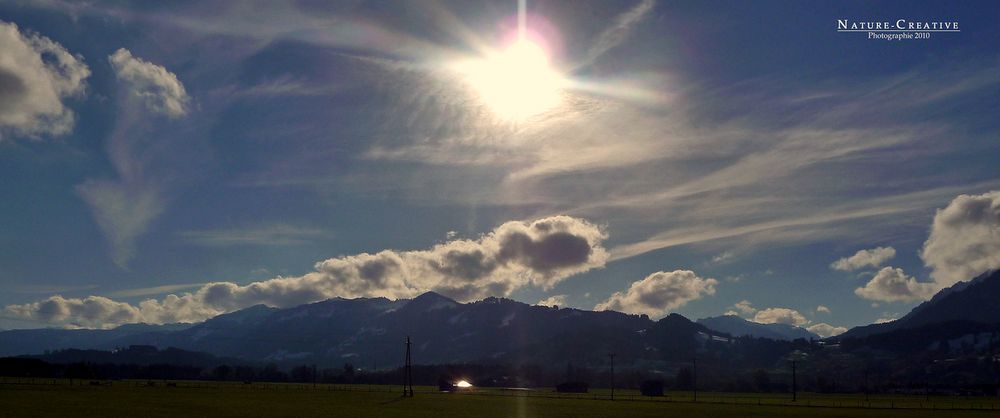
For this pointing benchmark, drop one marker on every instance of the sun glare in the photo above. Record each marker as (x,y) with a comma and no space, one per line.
(517,82)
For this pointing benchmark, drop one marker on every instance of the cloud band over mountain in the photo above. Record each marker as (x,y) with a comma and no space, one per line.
(516,254)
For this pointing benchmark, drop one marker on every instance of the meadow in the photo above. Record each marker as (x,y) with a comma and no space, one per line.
(47,397)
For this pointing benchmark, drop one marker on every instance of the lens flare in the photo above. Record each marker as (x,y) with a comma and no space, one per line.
(517,82)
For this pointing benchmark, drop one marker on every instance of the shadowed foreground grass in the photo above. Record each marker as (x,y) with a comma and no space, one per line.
(233,401)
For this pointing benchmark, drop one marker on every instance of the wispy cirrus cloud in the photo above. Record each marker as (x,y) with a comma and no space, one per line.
(277,234)
(619,31)
(47,288)
(809,226)
(719,166)
(285,20)
(729,178)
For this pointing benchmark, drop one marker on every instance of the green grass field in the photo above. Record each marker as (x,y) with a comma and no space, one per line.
(136,399)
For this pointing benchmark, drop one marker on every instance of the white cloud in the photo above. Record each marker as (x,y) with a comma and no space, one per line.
(515,254)
(157,88)
(893,285)
(864,258)
(965,239)
(789,316)
(745,307)
(92,311)
(36,74)
(826,330)
(964,242)
(660,292)
(554,300)
(780,316)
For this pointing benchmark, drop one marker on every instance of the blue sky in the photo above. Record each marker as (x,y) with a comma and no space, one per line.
(700,154)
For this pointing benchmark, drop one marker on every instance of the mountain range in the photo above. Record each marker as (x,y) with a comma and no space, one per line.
(739,327)
(370,332)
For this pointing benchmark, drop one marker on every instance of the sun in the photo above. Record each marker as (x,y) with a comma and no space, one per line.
(517,82)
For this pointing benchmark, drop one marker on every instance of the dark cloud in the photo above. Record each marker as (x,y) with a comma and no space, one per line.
(467,265)
(550,253)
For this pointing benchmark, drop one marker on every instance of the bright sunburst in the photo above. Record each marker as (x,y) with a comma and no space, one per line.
(517,82)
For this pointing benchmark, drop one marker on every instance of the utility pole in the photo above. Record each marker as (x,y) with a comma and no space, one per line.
(794,382)
(407,373)
(694,378)
(314,376)
(612,355)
